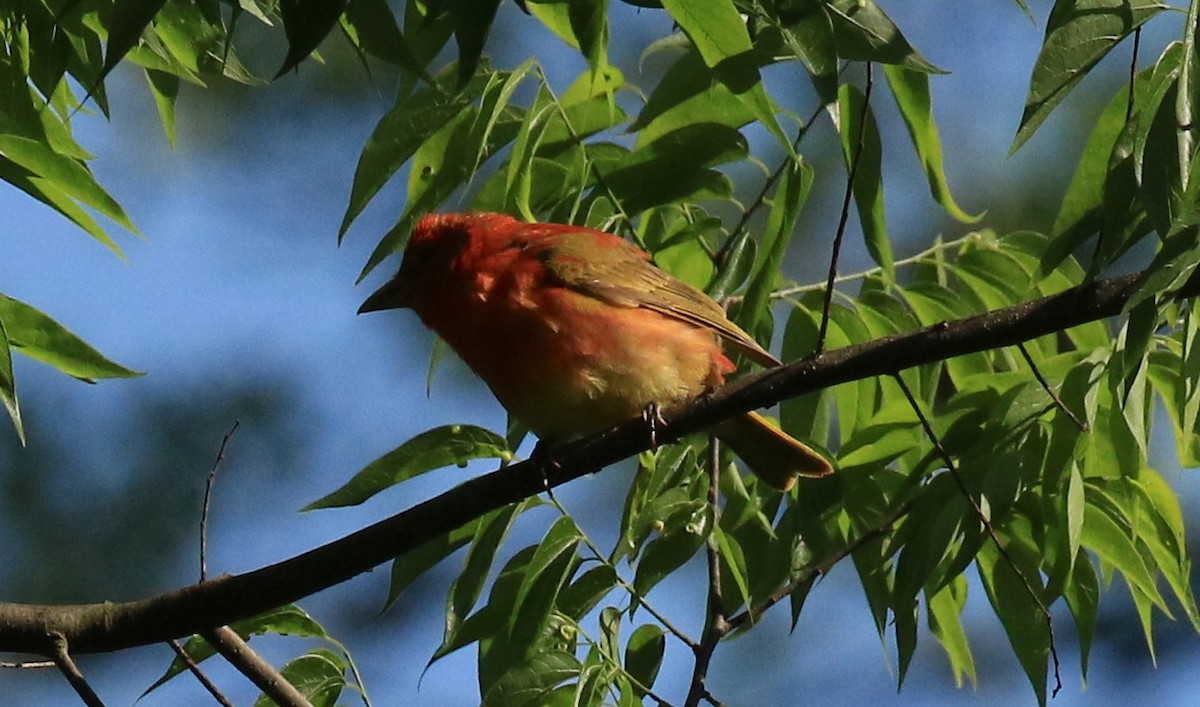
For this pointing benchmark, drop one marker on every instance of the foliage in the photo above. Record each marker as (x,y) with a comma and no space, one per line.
(1044,491)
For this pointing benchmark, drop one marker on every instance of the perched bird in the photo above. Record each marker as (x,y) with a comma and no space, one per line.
(574,330)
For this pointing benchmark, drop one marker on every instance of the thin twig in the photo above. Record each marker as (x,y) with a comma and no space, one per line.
(851,173)
(715,625)
(200,676)
(1137,41)
(26,664)
(208,487)
(987,525)
(785,292)
(1037,373)
(66,665)
(761,199)
(621,582)
(234,648)
(809,575)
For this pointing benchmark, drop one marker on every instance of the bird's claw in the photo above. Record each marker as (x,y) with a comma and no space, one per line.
(652,416)
(545,460)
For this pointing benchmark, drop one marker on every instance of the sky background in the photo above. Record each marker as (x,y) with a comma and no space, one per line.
(240,305)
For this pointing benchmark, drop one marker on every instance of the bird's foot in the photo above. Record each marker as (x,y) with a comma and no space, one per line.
(652,416)
(543,456)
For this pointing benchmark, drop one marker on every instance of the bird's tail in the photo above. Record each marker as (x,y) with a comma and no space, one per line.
(773,455)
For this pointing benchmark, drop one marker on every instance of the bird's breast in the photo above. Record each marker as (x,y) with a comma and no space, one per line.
(566,364)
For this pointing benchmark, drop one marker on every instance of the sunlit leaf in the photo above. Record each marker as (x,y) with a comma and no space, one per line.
(41,338)
(440,447)
(863,32)
(8,385)
(1079,34)
(863,153)
(911,90)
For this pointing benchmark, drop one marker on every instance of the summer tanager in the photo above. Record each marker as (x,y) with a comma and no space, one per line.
(574,330)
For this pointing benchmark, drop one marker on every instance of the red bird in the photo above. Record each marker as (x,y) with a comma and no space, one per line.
(574,330)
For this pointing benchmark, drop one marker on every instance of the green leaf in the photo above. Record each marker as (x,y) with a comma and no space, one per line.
(432,449)
(489,624)
(48,192)
(529,683)
(444,162)
(490,533)
(734,566)
(397,137)
(1171,268)
(561,540)
(643,655)
(1025,625)
(720,35)
(66,174)
(408,567)
(1079,215)
(809,34)
(786,203)
(675,167)
(41,338)
(374,25)
(472,22)
(288,620)
(582,595)
(911,90)
(858,123)
(320,676)
(734,264)
(863,32)
(165,89)
(8,384)
(579,23)
(1079,34)
(1082,593)
(664,555)
(125,23)
(306,23)
(945,622)
(1104,536)
(688,94)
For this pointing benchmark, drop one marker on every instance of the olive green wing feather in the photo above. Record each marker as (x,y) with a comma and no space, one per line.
(608,268)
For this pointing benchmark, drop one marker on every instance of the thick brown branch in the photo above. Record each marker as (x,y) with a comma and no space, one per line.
(193,609)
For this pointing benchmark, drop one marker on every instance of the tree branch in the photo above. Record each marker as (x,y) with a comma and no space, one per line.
(234,649)
(193,609)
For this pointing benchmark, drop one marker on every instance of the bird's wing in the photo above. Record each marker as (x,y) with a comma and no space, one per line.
(609,268)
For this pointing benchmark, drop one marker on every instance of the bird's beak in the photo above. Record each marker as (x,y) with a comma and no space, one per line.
(396,294)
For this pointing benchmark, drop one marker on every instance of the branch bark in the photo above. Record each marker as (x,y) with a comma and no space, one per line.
(26,628)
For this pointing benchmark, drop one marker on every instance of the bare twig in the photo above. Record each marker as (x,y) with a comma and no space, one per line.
(634,595)
(233,648)
(208,487)
(715,625)
(805,578)
(792,290)
(25,664)
(1133,60)
(851,173)
(761,199)
(952,468)
(1037,373)
(200,676)
(66,665)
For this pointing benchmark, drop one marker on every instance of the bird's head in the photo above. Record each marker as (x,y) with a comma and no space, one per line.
(437,241)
